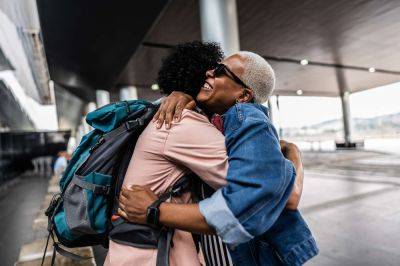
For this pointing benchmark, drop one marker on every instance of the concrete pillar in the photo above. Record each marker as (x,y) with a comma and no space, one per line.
(102,98)
(128,93)
(271,117)
(344,97)
(91,106)
(219,23)
(280,131)
(346,117)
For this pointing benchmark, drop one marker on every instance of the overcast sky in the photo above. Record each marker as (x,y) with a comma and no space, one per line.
(300,111)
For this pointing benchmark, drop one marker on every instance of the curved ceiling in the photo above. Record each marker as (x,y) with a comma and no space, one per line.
(88,43)
(333,34)
(95,44)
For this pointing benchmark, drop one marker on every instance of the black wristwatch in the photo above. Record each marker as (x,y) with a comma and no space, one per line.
(153,213)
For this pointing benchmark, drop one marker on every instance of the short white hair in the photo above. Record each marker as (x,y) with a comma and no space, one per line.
(258,75)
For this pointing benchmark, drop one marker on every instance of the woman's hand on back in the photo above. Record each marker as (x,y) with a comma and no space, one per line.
(292,153)
(171,108)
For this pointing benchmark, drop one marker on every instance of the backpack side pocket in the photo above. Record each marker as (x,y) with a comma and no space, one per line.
(85,203)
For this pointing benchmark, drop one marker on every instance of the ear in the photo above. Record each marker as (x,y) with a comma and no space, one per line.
(246,96)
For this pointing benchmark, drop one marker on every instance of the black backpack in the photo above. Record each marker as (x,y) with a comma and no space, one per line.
(81,214)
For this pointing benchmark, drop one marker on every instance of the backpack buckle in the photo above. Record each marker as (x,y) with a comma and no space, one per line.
(103,190)
(131,124)
(98,143)
(53,205)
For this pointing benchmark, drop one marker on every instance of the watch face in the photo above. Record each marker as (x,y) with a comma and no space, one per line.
(152,216)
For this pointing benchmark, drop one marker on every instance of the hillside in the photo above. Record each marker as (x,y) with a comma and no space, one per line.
(385,125)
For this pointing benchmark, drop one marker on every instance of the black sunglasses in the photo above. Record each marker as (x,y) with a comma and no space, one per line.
(222,69)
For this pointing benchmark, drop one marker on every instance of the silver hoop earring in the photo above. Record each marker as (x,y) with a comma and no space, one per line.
(237,101)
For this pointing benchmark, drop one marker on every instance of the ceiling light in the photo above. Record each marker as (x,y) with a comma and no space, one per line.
(304,62)
(299,92)
(371,69)
(155,87)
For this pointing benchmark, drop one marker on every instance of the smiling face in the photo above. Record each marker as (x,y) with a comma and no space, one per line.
(220,93)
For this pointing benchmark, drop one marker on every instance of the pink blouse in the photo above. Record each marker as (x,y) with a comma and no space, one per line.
(160,158)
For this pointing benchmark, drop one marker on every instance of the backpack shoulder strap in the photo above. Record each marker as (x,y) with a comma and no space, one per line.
(178,188)
(164,246)
(165,239)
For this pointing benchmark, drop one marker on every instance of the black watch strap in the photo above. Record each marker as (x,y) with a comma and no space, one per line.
(153,213)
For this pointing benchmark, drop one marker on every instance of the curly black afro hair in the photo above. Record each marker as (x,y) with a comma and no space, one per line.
(184,69)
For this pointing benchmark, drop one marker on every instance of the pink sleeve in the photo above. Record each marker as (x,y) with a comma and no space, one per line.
(199,146)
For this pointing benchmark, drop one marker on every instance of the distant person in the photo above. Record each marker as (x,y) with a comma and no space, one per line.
(61,163)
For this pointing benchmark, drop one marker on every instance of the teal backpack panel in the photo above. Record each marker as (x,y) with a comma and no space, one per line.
(103,120)
(79,156)
(110,116)
(81,215)
(97,204)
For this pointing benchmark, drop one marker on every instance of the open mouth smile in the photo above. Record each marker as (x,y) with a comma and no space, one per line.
(207,87)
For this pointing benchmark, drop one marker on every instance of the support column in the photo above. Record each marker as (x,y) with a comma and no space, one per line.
(271,117)
(219,23)
(102,98)
(280,131)
(344,97)
(84,127)
(347,127)
(128,93)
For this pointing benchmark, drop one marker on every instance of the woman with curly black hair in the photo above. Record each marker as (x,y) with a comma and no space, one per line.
(184,69)
(165,155)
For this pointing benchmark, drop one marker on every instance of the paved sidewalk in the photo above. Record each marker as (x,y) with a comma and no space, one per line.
(31,252)
(351,201)
(19,204)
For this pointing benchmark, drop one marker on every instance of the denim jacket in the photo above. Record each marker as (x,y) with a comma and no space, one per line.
(249,212)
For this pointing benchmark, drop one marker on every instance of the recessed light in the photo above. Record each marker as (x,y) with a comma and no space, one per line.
(304,62)
(371,69)
(155,87)
(299,92)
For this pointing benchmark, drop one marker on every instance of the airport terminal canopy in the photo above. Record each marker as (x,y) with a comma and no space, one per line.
(107,44)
